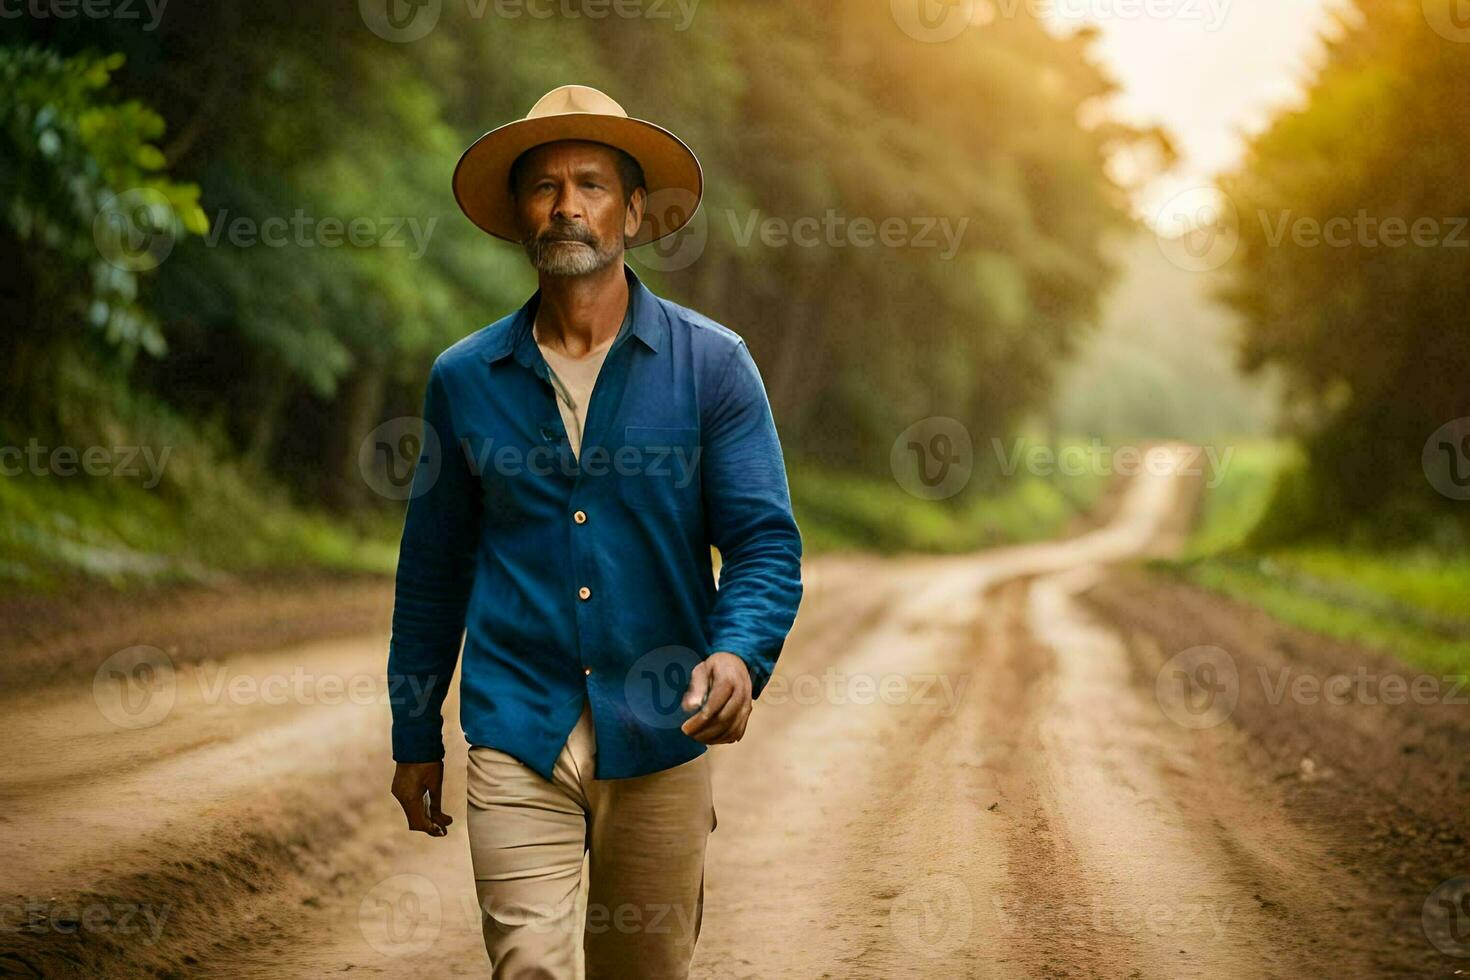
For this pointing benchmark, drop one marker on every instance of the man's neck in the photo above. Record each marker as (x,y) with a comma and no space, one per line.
(578,314)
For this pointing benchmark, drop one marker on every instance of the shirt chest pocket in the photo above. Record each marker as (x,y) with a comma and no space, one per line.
(658,468)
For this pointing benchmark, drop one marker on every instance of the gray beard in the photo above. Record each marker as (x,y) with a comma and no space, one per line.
(563,259)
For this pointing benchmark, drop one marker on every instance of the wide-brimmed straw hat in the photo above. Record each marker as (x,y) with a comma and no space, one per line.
(577,112)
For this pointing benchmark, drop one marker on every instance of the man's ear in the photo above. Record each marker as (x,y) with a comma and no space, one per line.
(633,216)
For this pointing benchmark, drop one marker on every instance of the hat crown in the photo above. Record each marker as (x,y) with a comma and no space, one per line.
(575,98)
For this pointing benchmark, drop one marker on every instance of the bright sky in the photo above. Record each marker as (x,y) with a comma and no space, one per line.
(1209,71)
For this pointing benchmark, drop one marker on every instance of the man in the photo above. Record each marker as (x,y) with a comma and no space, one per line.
(580,458)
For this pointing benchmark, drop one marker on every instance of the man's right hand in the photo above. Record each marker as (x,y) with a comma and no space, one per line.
(411,781)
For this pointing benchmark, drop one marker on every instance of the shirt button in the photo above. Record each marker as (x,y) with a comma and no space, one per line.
(584,592)
(580,517)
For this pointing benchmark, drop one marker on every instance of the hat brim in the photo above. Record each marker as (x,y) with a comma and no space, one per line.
(671,170)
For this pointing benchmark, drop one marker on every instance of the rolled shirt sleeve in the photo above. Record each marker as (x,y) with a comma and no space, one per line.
(748,517)
(436,570)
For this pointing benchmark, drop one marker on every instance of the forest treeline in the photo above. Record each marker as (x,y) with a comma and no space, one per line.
(230,114)
(1352,278)
(298,158)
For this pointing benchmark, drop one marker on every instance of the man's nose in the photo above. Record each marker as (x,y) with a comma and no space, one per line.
(568,205)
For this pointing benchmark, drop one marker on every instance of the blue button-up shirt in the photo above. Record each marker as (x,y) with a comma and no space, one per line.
(590,578)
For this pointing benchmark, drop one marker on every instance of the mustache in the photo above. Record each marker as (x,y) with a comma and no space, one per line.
(567,233)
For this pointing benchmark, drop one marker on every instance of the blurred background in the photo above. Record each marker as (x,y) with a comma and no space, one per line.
(229,238)
(1035,238)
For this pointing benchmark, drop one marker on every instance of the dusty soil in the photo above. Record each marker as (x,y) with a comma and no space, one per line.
(62,637)
(1376,767)
(965,767)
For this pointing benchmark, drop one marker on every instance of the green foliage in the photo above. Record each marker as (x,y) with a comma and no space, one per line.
(840,510)
(1369,328)
(1350,611)
(319,305)
(67,152)
(982,130)
(171,506)
(1410,599)
(1233,512)
(294,116)
(312,113)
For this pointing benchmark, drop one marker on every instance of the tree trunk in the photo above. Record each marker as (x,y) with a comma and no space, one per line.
(362,402)
(273,391)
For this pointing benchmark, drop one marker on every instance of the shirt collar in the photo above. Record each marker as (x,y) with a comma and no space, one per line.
(643,309)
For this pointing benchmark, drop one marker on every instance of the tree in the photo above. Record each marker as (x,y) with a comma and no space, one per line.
(1350,275)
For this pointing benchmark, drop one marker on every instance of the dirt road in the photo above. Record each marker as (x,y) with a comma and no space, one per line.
(1012,764)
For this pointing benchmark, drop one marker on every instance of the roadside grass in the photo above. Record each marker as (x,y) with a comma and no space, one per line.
(1413,602)
(1240,496)
(841,512)
(210,517)
(58,530)
(187,511)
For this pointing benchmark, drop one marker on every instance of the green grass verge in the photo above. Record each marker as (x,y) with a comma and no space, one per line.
(1414,603)
(165,502)
(56,530)
(841,512)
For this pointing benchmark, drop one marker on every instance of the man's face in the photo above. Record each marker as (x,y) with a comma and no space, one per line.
(569,202)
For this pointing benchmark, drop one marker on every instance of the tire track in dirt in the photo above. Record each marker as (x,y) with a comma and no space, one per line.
(247,829)
(1381,781)
(879,853)
(214,822)
(1186,862)
(424,919)
(1050,821)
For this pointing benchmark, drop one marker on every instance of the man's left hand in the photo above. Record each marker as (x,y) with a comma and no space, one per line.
(724,677)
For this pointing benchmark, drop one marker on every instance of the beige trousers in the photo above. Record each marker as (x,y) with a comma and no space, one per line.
(637,910)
